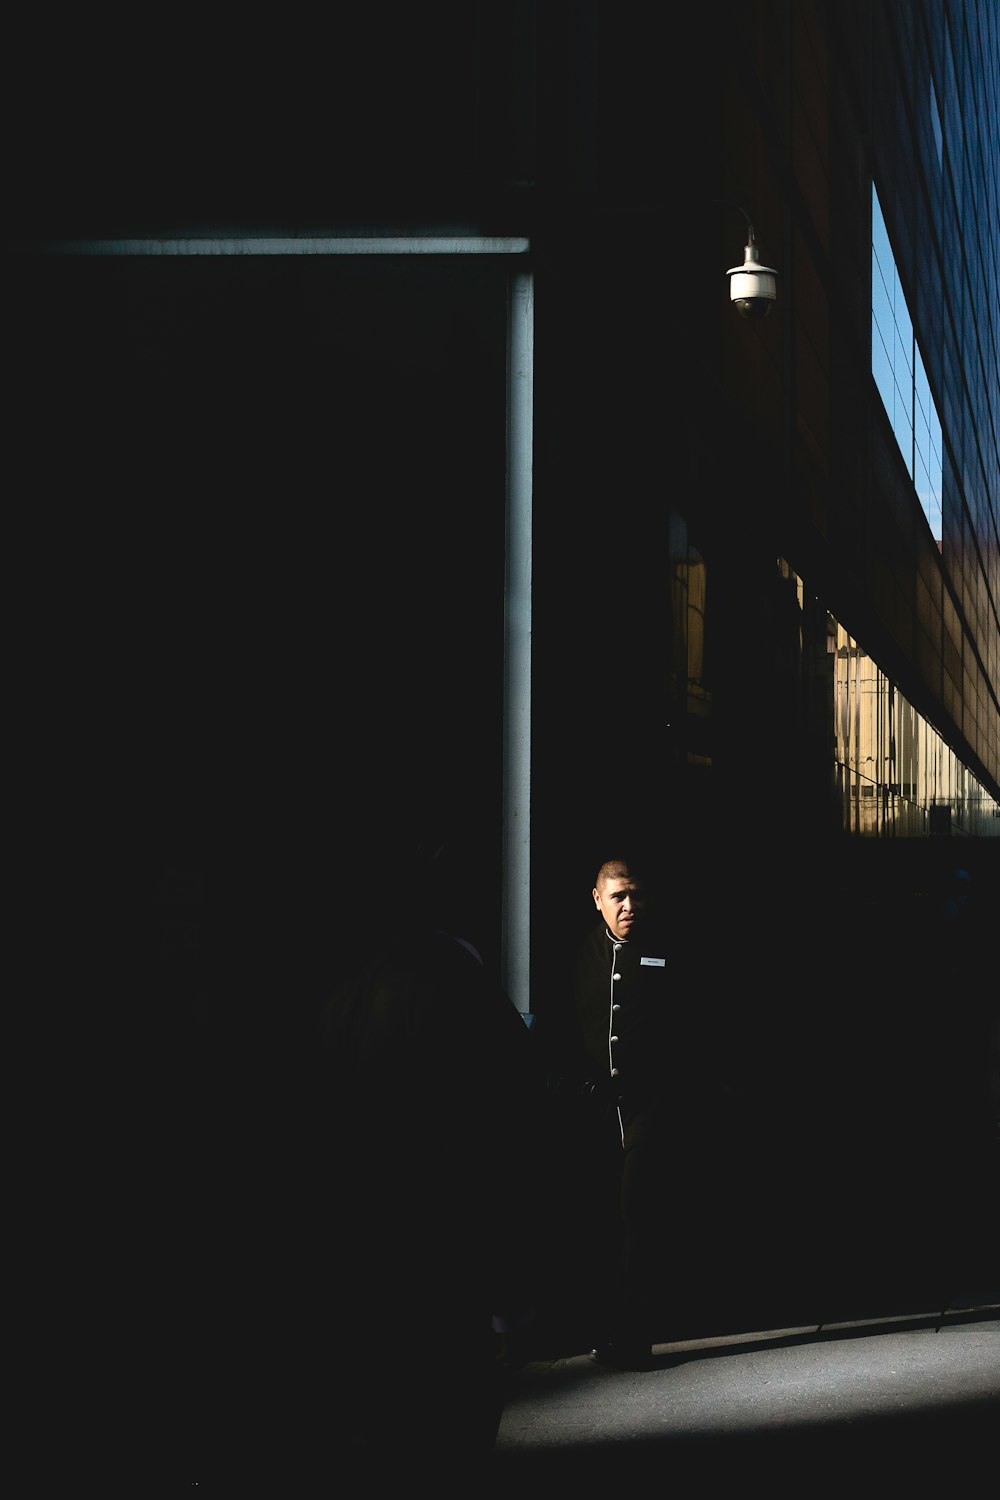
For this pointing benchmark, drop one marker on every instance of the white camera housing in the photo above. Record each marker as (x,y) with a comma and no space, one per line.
(752,287)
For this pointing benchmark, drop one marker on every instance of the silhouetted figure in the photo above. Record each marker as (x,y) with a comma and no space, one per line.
(374,1197)
(427,1186)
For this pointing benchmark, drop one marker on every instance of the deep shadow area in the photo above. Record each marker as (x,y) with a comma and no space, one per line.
(820,1459)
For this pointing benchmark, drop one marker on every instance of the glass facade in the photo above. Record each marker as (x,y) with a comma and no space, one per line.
(901,378)
(894,774)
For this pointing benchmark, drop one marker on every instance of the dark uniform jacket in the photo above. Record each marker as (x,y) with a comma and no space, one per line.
(626,1011)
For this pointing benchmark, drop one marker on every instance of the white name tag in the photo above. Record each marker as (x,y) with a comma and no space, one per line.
(655,963)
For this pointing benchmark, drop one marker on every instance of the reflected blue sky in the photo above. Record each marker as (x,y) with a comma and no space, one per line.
(901,378)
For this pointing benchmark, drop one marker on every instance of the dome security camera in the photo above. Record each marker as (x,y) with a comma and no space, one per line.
(752,287)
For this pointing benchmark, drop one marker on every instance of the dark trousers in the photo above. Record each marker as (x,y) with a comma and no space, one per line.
(629,1243)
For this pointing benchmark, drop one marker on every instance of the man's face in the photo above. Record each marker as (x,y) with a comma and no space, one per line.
(621,901)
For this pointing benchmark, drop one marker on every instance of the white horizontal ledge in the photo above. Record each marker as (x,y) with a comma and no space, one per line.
(290,245)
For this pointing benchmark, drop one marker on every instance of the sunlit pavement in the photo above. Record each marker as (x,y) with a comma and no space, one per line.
(804,1411)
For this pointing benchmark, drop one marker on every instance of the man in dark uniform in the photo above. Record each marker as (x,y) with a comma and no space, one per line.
(621,1061)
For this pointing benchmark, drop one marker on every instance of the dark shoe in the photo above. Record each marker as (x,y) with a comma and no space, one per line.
(623,1356)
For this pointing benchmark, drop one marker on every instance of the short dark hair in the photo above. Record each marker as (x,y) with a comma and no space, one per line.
(614,868)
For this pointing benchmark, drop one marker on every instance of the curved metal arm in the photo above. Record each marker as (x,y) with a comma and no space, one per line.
(751,232)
